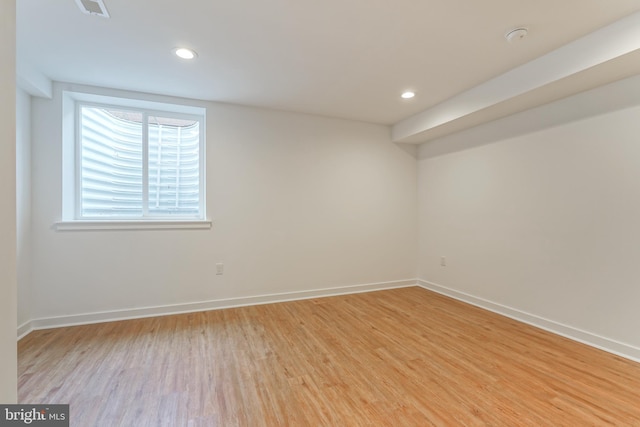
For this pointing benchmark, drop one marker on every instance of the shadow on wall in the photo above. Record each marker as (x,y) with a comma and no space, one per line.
(411,149)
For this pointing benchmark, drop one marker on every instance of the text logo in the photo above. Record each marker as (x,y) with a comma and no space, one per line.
(34,415)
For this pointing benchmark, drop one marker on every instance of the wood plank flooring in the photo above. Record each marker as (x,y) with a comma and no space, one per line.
(403,357)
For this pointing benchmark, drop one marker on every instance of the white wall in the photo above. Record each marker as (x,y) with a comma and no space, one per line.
(298,202)
(547,223)
(8,315)
(23,200)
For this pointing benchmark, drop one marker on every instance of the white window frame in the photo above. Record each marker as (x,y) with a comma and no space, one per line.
(71,165)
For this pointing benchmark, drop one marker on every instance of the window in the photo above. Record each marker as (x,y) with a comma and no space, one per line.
(135,163)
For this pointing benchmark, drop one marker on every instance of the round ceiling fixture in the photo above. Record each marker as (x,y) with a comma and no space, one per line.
(408,95)
(516,35)
(184,53)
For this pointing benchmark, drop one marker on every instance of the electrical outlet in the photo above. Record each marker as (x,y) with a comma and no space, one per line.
(219,269)
(443,261)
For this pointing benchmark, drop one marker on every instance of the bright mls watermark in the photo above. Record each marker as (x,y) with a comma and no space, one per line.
(34,415)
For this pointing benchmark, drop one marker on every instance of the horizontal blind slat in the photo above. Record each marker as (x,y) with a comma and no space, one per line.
(111,165)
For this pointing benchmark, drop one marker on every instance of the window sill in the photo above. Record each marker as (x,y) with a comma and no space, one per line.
(85,225)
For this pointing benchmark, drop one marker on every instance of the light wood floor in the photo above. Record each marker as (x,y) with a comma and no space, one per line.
(404,357)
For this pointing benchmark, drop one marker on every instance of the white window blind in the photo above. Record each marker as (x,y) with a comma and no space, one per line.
(138,164)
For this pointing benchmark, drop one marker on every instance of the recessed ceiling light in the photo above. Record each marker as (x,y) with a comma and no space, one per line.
(185,53)
(407,95)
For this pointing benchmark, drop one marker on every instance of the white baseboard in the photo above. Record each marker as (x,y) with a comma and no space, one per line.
(24,329)
(136,313)
(612,346)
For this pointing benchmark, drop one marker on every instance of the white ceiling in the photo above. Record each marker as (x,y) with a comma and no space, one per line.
(339,58)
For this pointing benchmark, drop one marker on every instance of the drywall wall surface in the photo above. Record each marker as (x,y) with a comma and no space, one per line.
(23,201)
(298,202)
(8,310)
(546,222)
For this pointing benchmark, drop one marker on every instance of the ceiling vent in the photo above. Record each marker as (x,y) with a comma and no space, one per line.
(93,7)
